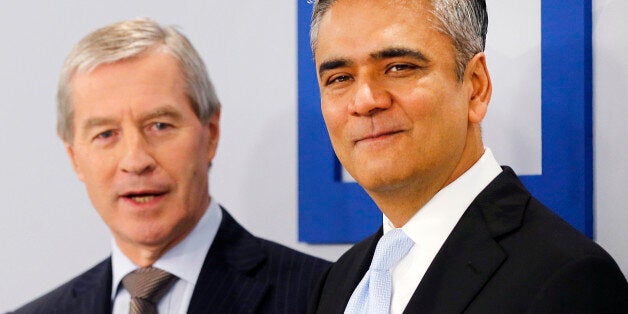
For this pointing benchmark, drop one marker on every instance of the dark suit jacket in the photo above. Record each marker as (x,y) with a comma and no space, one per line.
(241,274)
(507,254)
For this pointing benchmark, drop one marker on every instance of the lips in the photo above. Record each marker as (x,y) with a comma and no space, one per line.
(378,135)
(143,196)
(375,136)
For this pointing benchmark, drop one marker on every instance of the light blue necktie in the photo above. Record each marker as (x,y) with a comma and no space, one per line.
(373,293)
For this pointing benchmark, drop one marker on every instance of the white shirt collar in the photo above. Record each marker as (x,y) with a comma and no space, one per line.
(184,260)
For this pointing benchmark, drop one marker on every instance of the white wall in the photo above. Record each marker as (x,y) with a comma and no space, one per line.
(610,127)
(48,228)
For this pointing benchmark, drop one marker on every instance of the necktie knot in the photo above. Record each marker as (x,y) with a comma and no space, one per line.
(390,249)
(146,286)
(373,293)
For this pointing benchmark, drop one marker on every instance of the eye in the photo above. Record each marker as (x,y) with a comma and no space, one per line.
(337,79)
(400,67)
(104,135)
(161,126)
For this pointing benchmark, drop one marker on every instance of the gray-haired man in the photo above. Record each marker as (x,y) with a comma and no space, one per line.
(404,87)
(140,121)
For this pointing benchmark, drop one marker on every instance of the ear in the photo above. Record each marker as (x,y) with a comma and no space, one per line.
(214,135)
(69,149)
(476,75)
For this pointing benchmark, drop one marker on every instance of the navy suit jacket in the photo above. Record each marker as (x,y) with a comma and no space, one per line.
(507,254)
(241,274)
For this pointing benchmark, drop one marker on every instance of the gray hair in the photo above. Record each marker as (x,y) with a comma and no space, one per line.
(465,22)
(125,40)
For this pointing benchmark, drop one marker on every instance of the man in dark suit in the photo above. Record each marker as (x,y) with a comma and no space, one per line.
(404,87)
(140,121)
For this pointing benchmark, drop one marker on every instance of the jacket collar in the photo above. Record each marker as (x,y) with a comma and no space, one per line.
(92,292)
(471,254)
(229,271)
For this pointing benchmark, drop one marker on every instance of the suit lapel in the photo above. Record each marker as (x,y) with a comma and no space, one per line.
(227,281)
(471,255)
(345,275)
(355,274)
(92,292)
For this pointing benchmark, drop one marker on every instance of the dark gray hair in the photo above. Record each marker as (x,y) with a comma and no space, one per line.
(465,22)
(128,39)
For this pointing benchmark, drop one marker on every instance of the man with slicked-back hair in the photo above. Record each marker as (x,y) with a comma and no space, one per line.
(404,87)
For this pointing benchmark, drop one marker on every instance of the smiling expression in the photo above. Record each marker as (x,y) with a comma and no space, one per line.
(141,151)
(395,111)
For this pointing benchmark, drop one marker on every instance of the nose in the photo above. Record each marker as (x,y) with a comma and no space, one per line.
(370,98)
(136,157)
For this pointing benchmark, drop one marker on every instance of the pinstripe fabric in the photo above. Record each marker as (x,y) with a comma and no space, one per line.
(147,286)
(241,274)
(245,274)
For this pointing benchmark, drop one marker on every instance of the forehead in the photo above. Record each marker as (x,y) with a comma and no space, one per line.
(370,25)
(140,67)
(132,88)
(144,76)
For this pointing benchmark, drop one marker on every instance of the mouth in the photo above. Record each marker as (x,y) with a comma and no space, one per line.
(143,197)
(377,136)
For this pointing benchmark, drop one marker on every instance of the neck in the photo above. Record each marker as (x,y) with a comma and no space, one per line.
(401,204)
(146,254)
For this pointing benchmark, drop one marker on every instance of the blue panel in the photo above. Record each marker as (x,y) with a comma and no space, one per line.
(331,211)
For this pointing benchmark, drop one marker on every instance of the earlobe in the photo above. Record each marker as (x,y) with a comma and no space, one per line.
(214,134)
(70,151)
(477,73)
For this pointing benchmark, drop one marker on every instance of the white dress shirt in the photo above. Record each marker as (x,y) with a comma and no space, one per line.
(432,224)
(184,260)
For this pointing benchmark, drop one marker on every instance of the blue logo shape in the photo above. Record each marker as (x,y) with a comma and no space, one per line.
(333,211)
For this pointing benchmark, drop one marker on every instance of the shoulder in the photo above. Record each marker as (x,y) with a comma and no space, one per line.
(547,260)
(286,258)
(240,245)
(286,274)
(567,263)
(61,299)
(290,272)
(550,238)
(517,220)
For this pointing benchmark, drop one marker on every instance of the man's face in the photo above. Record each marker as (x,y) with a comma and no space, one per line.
(141,151)
(394,109)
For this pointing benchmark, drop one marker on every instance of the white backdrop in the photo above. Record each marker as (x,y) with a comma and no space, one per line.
(48,228)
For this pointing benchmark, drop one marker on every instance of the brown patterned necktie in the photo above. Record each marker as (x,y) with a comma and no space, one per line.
(147,286)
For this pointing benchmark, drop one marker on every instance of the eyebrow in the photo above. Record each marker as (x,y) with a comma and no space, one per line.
(399,52)
(95,122)
(332,64)
(386,53)
(163,111)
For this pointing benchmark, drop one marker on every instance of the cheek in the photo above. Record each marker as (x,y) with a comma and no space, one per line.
(442,104)
(334,116)
(95,169)
(189,159)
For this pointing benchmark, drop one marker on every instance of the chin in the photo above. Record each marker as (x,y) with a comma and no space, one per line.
(149,233)
(381,181)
